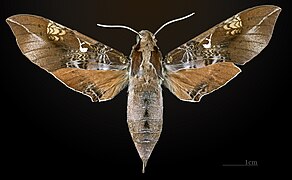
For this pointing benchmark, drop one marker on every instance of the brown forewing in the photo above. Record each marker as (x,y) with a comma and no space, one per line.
(65,52)
(197,67)
(252,35)
(240,37)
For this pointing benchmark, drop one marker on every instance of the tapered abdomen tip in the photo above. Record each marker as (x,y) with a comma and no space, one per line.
(144,165)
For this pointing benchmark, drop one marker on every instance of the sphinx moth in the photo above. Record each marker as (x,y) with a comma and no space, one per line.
(192,70)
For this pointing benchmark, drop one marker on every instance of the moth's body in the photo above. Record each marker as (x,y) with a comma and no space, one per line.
(145,108)
(192,70)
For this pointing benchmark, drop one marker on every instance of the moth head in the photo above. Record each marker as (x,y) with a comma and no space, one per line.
(146,38)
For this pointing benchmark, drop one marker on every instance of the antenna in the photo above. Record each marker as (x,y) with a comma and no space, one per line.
(119,26)
(172,21)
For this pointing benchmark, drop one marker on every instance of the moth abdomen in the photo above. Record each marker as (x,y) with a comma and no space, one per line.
(145,134)
(144,117)
(145,131)
(145,120)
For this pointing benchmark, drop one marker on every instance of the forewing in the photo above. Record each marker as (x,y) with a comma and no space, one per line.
(66,53)
(236,40)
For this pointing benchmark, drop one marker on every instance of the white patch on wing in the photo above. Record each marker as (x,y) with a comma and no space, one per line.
(208,45)
(81,49)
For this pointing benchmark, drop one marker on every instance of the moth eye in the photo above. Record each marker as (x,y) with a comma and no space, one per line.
(137,39)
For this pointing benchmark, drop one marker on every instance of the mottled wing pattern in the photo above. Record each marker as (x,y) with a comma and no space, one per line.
(205,63)
(82,63)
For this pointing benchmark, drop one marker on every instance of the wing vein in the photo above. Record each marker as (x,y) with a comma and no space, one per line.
(244,49)
(40,49)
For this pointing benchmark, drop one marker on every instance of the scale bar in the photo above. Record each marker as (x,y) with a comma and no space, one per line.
(239,165)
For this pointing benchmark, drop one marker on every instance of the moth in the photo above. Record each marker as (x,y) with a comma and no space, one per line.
(194,69)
